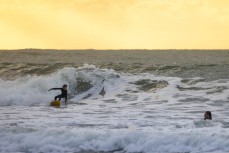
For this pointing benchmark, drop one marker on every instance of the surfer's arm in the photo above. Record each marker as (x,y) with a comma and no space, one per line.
(55,89)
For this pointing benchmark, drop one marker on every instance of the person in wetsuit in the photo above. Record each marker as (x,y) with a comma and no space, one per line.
(64,93)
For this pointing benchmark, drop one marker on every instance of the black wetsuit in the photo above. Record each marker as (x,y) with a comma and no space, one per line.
(64,93)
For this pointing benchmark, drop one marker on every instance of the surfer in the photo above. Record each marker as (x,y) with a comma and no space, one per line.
(64,93)
(208,115)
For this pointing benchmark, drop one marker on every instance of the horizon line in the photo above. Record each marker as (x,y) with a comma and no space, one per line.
(90,49)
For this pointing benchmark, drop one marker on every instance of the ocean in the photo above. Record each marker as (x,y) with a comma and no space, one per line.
(119,101)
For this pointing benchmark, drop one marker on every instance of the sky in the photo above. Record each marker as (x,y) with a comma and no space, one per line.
(114,24)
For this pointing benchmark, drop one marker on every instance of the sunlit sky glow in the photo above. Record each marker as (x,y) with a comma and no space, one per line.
(114,24)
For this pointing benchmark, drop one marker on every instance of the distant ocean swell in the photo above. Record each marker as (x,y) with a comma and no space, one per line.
(207,71)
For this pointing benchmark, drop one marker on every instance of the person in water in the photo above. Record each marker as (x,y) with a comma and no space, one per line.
(64,93)
(207,115)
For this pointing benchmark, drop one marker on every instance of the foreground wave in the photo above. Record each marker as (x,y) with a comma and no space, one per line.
(118,141)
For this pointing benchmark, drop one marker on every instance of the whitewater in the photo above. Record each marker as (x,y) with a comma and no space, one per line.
(157,108)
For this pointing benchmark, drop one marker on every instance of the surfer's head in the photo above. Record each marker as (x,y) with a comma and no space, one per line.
(65,87)
(207,115)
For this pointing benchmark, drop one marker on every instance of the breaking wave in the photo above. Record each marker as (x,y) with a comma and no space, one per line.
(91,82)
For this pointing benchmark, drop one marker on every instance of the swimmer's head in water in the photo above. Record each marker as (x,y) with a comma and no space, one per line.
(207,115)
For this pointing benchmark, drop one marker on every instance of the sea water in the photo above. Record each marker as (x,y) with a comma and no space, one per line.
(143,108)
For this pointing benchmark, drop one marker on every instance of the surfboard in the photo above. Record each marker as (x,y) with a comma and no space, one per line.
(55,103)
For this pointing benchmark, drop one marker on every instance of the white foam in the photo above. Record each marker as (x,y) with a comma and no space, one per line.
(73,140)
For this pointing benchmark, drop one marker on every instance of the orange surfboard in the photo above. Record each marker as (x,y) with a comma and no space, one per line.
(55,103)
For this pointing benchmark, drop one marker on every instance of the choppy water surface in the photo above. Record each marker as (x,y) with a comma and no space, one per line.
(145,108)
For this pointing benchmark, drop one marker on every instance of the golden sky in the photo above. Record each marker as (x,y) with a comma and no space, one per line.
(114,24)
